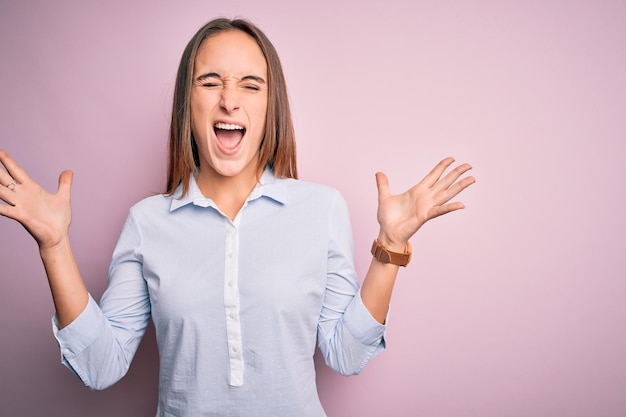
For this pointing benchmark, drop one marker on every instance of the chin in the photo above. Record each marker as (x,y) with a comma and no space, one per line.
(231,169)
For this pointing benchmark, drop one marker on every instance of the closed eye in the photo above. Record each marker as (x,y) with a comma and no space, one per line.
(253,82)
(209,80)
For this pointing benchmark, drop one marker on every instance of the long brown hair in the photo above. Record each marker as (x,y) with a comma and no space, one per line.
(278,146)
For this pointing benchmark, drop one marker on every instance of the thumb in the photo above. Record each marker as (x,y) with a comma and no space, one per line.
(382,183)
(65,182)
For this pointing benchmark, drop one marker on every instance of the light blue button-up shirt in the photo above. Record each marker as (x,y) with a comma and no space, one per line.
(238,306)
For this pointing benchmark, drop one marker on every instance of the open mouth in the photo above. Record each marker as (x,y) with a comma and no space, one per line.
(229,136)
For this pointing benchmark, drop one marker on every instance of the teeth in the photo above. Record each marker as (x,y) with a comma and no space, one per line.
(228,126)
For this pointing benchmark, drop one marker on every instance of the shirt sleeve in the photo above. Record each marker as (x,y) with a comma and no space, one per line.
(100,343)
(348,335)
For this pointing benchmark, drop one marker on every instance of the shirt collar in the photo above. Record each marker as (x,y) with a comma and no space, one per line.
(268,186)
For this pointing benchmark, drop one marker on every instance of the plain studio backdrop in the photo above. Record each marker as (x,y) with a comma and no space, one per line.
(513,307)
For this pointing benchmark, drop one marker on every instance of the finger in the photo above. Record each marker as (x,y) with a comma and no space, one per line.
(6,210)
(382,183)
(5,178)
(7,196)
(458,187)
(452,176)
(434,175)
(65,183)
(14,170)
(446,208)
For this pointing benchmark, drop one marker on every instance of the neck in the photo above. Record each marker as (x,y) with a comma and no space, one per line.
(228,192)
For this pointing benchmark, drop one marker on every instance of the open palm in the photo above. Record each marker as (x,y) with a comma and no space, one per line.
(46,216)
(401,215)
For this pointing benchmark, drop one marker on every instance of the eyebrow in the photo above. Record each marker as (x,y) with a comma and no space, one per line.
(216,75)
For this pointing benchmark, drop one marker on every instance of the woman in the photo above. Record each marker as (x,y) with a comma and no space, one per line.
(242,268)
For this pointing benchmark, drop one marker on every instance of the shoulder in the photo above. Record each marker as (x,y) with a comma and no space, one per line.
(155,205)
(308,192)
(310,202)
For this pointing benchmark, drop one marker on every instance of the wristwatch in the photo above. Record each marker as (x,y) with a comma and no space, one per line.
(386,256)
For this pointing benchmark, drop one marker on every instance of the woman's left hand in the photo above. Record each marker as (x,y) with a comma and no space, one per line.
(400,216)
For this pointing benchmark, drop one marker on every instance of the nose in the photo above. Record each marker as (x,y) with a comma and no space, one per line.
(230,99)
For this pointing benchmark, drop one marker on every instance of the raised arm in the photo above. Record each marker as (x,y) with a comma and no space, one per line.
(400,216)
(47,218)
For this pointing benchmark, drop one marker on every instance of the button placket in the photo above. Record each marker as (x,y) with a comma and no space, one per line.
(232,304)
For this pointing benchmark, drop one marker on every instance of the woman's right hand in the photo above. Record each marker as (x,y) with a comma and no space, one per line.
(46,216)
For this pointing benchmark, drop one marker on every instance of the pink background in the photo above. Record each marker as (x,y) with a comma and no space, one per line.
(513,307)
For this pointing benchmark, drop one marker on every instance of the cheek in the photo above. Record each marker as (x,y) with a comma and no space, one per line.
(260,115)
(199,120)
(195,112)
(199,128)
(201,105)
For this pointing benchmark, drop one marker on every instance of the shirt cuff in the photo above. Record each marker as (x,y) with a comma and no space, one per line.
(362,325)
(80,333)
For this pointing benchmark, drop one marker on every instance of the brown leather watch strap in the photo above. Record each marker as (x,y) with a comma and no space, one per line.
(386,256)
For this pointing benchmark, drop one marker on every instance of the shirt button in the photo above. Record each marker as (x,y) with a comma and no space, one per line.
(235,349)
(231,255)
(65,351)
(231,283)
(232,316)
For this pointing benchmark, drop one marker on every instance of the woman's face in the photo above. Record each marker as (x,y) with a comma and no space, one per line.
(229,104)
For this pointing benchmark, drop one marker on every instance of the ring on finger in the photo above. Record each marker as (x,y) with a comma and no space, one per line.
(12,186)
